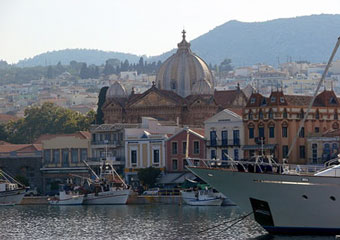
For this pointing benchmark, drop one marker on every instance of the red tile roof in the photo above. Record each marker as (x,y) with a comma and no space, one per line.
(7,148)
(80,134)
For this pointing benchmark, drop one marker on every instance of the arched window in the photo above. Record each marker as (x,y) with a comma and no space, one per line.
(173,85)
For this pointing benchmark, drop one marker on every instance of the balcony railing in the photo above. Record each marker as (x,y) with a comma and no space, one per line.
(106,142)
(223,143)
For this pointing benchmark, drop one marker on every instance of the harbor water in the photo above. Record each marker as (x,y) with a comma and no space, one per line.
(129,222)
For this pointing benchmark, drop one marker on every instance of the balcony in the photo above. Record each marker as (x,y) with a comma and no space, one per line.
(111,160)
(224,143)
(106,143)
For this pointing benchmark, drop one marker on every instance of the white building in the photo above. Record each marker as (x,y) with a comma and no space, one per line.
(225,135)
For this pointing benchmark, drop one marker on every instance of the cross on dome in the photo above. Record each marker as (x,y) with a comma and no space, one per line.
(183,34)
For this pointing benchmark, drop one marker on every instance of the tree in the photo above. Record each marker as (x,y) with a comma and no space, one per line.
(226,66)
(44,119)
(148,176)
(101,101)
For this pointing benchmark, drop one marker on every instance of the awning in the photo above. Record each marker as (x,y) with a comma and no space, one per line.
(174,178)
(259,147)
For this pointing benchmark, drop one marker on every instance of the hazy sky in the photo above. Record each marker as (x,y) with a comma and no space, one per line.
(150,27)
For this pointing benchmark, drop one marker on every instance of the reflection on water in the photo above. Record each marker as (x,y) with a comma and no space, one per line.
(128,222)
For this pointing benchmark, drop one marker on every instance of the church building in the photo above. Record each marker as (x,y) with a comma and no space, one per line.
(183,93)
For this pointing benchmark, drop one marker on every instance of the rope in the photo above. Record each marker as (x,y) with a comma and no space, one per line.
(225,222)
(241,219)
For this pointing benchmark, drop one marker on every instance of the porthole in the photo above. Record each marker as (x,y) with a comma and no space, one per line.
(304,196)
(332,198)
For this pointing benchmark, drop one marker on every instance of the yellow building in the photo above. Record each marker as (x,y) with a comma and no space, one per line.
(63,154)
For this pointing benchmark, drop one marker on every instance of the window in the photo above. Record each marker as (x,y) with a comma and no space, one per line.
(317,114)
(56,156)
(270,114)
(250,115)
(251,132)
(282,100)
(213,138)
(236,156)
(316,129)
(174,164)
(315,153)
(224,138)
(156,156)
(285,115)
(74,155)
(83,154)
(302,132)
(284,151)
(108,136)
(284,131)
(336,115)
(261,114)
(196,147)
(273,99)
(252,100)
(302,114)
(65,156)
(264,102)
(236,137)
(184,146)
(302,152)
(261,132)
(94,137)
(47,156)
(271,132)
(224,154)
(213,154)
(173,85)
(133,157)
(332,100)
(174,147)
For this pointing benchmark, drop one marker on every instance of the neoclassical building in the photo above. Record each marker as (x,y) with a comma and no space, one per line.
(276,119)
(183,93)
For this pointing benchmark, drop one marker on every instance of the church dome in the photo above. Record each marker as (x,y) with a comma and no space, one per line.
(116,90)
(184,70)
(202,87)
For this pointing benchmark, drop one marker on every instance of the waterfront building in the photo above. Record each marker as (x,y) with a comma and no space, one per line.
(176,147)
(145,146)
(108,142)
(322,147)
(225,135)
(182,93)
(275,120)
(22,161)
(63,155)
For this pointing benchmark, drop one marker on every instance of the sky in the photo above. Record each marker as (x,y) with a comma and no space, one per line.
(142,27)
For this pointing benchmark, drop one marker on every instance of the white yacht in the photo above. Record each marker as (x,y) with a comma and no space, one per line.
(11,191)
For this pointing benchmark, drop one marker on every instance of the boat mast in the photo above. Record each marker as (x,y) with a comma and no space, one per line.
(315,94)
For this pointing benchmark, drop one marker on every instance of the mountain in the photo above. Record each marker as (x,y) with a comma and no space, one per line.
(310,38)
(89,56)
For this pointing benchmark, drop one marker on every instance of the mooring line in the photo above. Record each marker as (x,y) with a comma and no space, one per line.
(241,219)
(223,223)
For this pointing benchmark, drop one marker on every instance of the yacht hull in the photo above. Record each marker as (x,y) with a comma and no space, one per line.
(11,197)
(107,198)
(285,204)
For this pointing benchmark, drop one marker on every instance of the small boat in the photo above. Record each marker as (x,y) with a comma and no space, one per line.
(107,189)
(201,198)
(66,198)
(11,191)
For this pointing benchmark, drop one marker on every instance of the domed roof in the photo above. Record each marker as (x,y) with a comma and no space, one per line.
(202,87)
(181,71)
(116,90)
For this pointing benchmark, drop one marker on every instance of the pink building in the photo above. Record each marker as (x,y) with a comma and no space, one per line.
(176,147)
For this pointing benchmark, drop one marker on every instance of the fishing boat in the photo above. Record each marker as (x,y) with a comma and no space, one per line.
(66,198)
(107,189)
(11,191)
(283,198)
(204,197)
